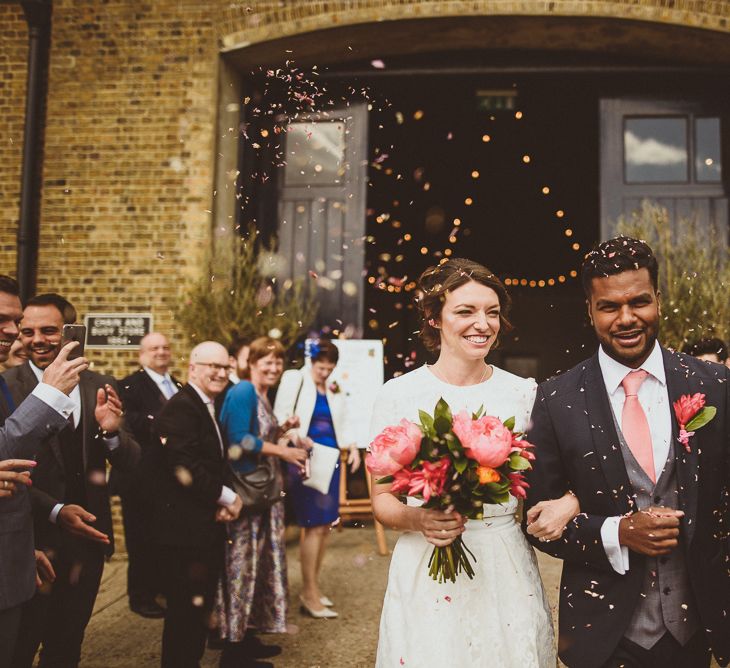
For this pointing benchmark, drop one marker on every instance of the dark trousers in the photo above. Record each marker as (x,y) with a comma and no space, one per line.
(189,580)
(142,578)
(56,621)
(9,626)
(667,653)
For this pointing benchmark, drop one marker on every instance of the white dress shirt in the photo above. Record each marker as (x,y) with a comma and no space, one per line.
(159,379)
(654,399)
(227,496)
(75,397)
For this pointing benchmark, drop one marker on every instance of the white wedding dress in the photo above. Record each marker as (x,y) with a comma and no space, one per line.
(501,618)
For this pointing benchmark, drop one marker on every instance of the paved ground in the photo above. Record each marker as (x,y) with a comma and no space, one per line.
(355,578)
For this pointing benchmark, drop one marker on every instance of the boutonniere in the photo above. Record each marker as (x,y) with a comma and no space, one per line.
(334,387)
(692,414)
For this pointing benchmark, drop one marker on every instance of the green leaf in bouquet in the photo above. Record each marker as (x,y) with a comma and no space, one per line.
(501,498)
(441,425)
(701,419)
(454,444)
(510,423)
(442,417)
(479,413)
(460,464)
(426,423)
(496,488)
(518,463)
(385,480)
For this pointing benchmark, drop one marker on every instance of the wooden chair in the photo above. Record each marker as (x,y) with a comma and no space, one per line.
(363,508)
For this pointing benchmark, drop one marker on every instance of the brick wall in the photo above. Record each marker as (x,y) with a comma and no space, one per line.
(131,130)
(13,55)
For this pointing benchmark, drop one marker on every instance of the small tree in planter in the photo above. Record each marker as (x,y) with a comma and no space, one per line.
(240,296)
(694,274)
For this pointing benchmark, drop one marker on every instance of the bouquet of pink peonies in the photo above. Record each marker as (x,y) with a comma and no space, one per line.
(453,462)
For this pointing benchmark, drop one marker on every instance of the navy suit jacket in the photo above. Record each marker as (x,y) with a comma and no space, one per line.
(577,448)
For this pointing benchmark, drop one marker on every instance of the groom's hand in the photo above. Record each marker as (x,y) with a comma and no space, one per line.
(653,531)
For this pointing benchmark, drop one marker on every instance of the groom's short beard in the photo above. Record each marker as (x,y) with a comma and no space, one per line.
(628,360)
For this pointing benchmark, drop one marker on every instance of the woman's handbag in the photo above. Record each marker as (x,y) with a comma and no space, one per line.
(260,488)
(323,462)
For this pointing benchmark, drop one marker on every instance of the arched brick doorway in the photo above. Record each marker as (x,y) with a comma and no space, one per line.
(676,52)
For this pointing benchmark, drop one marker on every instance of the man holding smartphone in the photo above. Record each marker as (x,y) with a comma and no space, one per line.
(70,496)
(22,429)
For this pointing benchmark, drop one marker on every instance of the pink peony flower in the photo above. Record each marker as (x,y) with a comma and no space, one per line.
(687,406)
(394,448)
(428,480)
(517,485)
(486,440)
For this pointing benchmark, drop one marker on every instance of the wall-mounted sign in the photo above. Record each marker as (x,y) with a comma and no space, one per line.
(116,330)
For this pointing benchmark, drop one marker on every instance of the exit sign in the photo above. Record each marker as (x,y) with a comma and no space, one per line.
(496,100)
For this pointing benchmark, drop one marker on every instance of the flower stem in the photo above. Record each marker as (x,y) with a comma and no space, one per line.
(449,561)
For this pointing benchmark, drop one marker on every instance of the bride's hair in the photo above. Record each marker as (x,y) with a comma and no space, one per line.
(436,282)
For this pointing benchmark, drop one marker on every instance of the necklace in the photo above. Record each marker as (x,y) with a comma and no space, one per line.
(443,377)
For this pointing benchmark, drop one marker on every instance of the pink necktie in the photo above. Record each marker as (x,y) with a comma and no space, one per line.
(634,424)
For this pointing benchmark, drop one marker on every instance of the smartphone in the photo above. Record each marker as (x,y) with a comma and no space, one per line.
(74,333)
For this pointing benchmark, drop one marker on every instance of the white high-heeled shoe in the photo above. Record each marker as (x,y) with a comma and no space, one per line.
(326,601)
(325,613)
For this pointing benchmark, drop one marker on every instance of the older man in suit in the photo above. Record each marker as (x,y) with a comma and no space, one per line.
(144,394)
(22,430)
(645,574)
(69,496)
(192,498)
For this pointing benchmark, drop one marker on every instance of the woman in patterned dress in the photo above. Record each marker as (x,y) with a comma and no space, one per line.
(252,592)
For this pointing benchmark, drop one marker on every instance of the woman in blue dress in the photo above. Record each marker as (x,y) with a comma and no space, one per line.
(319,405)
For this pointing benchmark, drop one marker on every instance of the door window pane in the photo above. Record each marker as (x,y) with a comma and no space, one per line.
(707,149)
(655,149)
(315,153)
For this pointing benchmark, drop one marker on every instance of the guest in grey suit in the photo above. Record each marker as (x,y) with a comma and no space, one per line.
(70,497)
(43,413)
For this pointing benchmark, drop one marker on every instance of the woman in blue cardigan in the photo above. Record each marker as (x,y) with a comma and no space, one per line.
(252,593)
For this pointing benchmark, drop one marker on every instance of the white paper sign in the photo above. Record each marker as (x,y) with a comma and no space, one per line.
(359,373)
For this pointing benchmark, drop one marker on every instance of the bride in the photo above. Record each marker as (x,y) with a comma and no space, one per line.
(501,617)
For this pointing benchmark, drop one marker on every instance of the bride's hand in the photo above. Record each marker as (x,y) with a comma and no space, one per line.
(547,520)
(440,528)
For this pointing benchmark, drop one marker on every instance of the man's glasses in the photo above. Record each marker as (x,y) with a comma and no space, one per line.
(216,367)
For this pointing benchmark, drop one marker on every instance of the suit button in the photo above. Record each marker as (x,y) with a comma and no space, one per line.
(666,591)
(657,499)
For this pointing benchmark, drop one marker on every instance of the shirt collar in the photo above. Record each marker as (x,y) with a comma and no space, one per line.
(614,372)
(157,377)
(203,396)
(38,373)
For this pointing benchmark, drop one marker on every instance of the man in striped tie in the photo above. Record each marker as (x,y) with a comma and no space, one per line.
(144,393)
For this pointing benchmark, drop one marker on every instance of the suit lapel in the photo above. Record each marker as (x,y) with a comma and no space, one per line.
(152,389)
(206,418)
(605,438)
(27,381)
(686,463)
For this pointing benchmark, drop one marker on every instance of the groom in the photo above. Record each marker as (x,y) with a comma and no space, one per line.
(645,575)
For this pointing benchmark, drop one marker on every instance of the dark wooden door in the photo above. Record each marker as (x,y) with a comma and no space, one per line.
(668,152)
